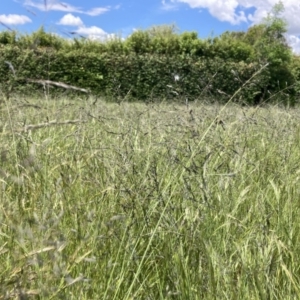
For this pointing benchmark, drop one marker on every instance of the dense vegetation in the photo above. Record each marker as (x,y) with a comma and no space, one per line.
(145,64)
(104,200)
(136,201)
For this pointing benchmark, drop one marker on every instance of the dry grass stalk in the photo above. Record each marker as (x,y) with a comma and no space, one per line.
(6,26)
(59,84)
(50,123)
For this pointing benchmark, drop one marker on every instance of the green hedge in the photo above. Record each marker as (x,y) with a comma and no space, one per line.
(145,64)
(137,76)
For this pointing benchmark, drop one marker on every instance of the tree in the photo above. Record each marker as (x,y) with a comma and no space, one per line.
(231,46)
(189,43)
(270,47)
(161,39)
(41,38)
(269,39)
(8,37)
(138,42)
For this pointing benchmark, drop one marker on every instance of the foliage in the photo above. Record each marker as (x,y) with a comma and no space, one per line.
(137,76)
(146,62)
(273,43)
(41,39)
(228,47)
(294,67)
(8,37)
(271,47)
(139,42)
(136,201)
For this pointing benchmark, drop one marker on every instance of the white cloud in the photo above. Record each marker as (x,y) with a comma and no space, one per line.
(291,14)
(294,42)
(94,33)
(223,10)
(63,6)
(14,19)
(52,5)
(97,11)
(94,30)
(236,12)
(169,5)
(70,20)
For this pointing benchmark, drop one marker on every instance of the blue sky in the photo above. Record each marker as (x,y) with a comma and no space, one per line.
(99,19)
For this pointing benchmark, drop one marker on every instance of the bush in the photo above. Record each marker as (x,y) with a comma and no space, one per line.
(147,63)
(139,76)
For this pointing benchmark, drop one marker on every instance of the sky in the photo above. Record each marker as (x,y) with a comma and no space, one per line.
(101,19)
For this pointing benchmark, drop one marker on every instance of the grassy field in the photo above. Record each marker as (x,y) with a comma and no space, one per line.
(137,201)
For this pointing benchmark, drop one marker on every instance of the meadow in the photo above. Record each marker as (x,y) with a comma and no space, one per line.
(148,201)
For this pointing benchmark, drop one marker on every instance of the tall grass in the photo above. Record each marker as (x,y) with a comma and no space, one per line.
(137,201)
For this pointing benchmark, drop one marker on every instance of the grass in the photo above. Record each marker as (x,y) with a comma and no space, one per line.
(137,201)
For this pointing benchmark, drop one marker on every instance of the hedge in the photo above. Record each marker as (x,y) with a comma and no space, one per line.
(134,75)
